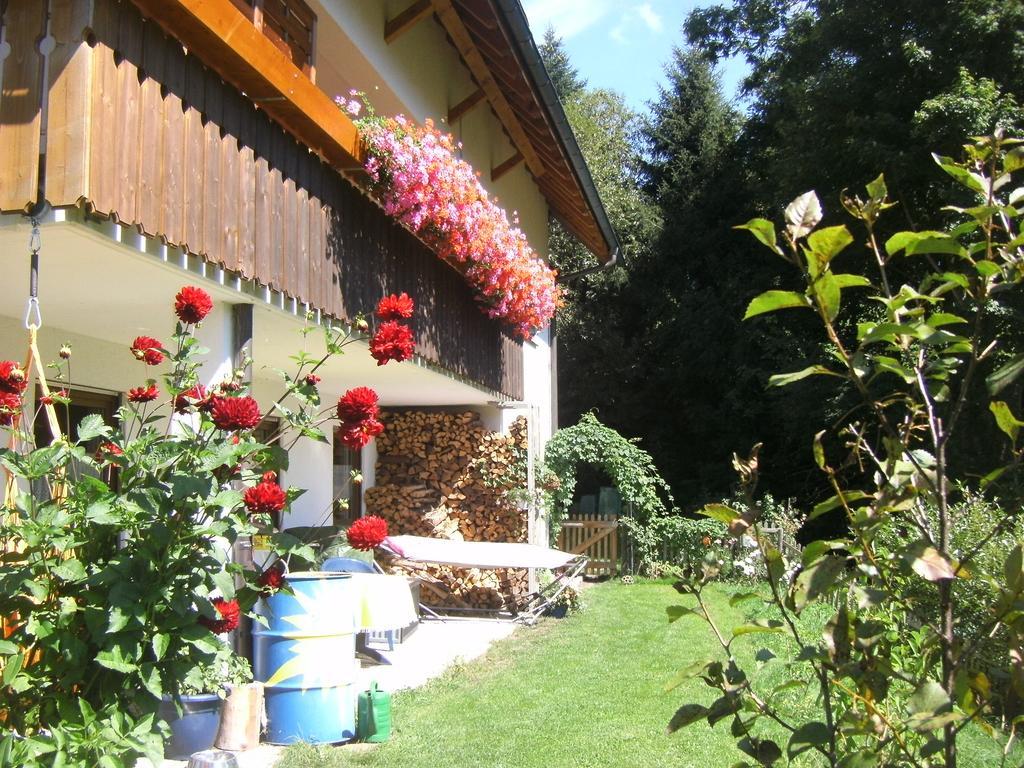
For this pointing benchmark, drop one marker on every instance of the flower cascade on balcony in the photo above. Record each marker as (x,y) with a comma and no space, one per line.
(420,181)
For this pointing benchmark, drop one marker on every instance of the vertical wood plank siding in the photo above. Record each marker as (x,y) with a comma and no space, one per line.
(146,134)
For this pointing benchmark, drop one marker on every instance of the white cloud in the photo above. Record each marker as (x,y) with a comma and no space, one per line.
(568,17)
(650,18)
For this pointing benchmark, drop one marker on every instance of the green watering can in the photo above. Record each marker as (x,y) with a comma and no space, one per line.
(374,715)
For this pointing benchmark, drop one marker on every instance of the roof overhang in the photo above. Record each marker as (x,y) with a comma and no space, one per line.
(494,40)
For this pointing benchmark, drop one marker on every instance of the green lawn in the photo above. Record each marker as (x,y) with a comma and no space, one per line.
(579,692)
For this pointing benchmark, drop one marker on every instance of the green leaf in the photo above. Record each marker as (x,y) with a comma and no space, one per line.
(927,563)
(828,294)
(225,583)
(743,597)
(676,612)
(808,736)
(1013,569)
(114,659)
(160,643)
(863,759)
(819,450)
(7,648)
(99,512)
(769,301)
(70,570)
(998,380)
(688,672)
(803,215)
(773,626)
(719,512)
(12,668)
(764,231)
(972,181)
(877,189)
(852,281)
(91,427)
(930,707)
(816,579)
(829,242)
(836,501)
(782,379)
(686,715)
(1005,419)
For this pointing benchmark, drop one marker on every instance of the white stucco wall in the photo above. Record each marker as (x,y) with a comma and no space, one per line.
(420,75)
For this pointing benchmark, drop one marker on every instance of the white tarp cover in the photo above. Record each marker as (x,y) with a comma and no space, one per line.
(477,554)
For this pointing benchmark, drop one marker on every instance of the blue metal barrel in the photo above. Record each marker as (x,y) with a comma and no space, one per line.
(306,659)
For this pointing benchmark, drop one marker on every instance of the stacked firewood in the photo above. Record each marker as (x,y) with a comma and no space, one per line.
(442,474)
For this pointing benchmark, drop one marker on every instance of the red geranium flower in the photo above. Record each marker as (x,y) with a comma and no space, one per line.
(196,396)
(356,435)
(229,613)
(192,304)
(367,532)
(393,341)
(147,349)
(271,579)
(395,307)
(107,450)
(12,377)
(230,413)
(10,407)
(264,498)
(357,405)
(143,394)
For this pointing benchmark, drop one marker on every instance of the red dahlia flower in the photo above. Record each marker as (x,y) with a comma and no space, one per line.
(147,349)
(358,404)
(231,413)
(271,579)
(196,396)
(356,435)
(143,394)
(395,307)
(367,532)
(312,379)
(192,304)
(108,450)
(264,498)
(10,407)
(393,341)
(229,613)
(12,377)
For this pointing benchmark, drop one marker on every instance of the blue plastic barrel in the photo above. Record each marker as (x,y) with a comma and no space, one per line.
(305,658)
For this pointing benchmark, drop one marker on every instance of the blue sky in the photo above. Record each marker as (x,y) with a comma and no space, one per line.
(622,44)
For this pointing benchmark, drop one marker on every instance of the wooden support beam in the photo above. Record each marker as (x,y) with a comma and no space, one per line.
(237,51)
(460,109)
(406,20)
(474,61)
(504,167)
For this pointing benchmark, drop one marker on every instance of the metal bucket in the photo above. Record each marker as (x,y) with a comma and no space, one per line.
(306,659)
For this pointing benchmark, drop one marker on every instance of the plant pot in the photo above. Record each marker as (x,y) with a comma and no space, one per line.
(558,611)
(195,729)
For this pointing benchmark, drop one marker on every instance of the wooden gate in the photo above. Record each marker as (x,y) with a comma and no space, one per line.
(597,538)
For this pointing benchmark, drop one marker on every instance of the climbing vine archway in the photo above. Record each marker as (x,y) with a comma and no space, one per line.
(628,466)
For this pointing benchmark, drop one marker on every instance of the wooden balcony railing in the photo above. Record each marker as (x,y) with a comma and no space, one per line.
(290,25)
(140,130)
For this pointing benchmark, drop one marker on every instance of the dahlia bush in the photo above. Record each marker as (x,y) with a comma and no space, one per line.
(116,579)
(419,179)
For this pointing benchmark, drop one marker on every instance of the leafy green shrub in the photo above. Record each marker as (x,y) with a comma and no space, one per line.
(116,572)
(894,672)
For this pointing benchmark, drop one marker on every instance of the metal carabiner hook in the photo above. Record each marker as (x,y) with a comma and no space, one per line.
(33,317)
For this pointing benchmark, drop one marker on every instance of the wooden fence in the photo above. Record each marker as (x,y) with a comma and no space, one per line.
(595,536)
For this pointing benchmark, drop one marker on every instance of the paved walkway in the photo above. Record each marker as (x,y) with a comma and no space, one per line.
(431,649)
